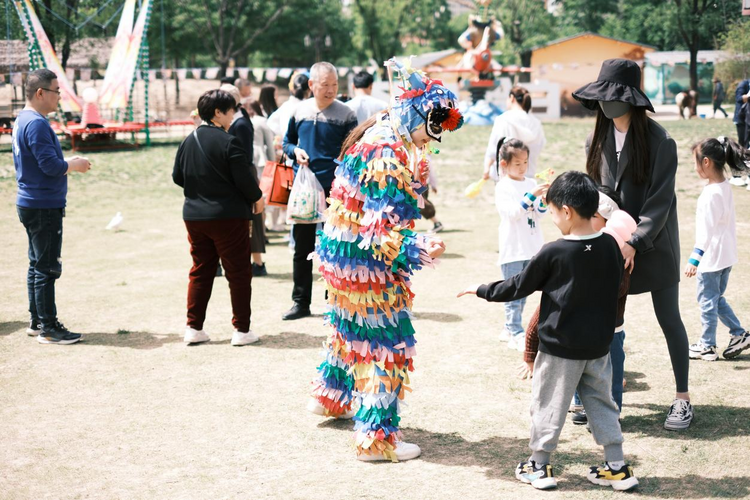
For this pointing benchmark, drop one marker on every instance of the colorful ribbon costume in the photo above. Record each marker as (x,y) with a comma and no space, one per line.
(368,251)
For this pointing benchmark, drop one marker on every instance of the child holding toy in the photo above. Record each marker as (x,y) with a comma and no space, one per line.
(519,203)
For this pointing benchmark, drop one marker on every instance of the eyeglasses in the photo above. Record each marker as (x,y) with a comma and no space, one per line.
(50,90)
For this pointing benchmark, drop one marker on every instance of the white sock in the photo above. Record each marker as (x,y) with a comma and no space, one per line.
(616,465)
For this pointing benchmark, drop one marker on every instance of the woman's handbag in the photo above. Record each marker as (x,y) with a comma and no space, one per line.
(276,183)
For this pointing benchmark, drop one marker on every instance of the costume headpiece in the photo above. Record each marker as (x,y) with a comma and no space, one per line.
(422,101)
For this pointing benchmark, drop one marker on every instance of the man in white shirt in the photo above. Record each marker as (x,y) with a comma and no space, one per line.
(363,103)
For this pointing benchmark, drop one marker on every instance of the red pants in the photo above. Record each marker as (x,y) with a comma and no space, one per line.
(229,240)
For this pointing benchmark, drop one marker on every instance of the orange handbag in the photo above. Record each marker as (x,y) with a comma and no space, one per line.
(276,183)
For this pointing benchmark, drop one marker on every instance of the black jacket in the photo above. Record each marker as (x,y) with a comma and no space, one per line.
(225,190)
(243,130)
(579,280)
(652,204)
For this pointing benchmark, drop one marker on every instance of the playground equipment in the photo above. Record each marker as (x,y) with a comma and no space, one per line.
(130,55)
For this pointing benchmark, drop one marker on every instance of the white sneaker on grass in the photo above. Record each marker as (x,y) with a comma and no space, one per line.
(504,335)
(680,415)
(700,351)
(314,406)
(193,336)
(404,451)
(512,343)
(737,181)
(239,338)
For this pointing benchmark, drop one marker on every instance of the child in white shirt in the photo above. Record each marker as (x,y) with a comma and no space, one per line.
(518,201)
(716,245)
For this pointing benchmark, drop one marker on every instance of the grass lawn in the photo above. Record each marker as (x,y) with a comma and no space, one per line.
(133,413)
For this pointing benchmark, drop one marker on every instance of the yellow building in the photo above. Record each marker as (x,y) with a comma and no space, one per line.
(575,61)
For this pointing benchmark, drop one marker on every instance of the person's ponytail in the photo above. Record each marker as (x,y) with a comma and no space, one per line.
(737,157)
(522,97)
(357,134)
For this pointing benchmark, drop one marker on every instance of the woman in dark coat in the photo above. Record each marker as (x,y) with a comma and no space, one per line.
(242,129)
(635,156)
(221,195)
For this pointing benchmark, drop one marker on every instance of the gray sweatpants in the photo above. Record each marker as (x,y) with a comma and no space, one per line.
(554,382)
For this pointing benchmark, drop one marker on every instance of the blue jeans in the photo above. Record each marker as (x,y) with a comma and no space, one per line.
(44,230)
(711,288)
(617,355)
(514,310)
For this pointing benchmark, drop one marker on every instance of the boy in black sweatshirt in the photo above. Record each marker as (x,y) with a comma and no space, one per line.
(579,276)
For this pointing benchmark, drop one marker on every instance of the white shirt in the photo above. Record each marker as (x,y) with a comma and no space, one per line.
(520,236)
(715,232)
(619,141)
(517,124)
(365,106)
(279,119)
(263,149)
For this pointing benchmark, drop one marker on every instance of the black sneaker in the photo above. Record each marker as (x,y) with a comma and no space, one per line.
(620,479)
(706,353)
(58,335)
(296,312)
(259,270)
(738,344)
(580,418)
(437,227)
(34,328)
(680,415)
(540,478)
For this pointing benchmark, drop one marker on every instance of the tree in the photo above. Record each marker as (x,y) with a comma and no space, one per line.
(585,15)
(736,43)
(526,24)
(695,20)
(384,29)
(231,26)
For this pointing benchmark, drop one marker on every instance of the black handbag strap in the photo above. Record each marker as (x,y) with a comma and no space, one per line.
(218,172)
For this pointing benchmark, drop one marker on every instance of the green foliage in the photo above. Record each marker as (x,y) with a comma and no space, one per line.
(527,24)
(644,21)
(585,15)
(736,42)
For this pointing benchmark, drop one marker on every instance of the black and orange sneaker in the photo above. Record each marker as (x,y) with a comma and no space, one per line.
(540,478)
(620,479)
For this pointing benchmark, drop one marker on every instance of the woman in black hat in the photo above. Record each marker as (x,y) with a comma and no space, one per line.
(635,156)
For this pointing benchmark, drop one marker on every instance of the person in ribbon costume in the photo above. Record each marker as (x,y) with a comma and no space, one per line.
(368,251)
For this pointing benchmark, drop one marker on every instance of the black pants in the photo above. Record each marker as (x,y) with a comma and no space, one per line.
(44,230)
(717,105)
(304,245)
(667,308)
(742,134)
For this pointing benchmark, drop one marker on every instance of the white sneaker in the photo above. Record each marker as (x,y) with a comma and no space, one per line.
(680,415)
(512,343)
(314,406)
(521,344)
(193,336)
(404,451)
(737,181)
(239,338)
(504,335)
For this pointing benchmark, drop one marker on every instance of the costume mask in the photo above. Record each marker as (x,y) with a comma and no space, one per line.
(614,109)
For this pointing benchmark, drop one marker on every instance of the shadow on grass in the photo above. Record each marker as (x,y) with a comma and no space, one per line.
(275,276)
(6,328)
(633,384)
(448,231)
(132,340)
(439,317)
(711,422)
(291,340)
(452,256)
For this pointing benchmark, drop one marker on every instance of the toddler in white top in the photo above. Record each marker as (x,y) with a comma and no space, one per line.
(519,202)
(716,245)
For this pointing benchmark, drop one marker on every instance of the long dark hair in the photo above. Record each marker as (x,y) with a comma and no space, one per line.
(267,99)
(522,97)
(638,129)
(356,134)
(724,153)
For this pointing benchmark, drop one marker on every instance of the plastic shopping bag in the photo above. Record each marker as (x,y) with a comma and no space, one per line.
(307,201)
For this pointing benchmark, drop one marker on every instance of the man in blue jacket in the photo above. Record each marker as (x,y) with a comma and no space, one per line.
(313,140)
(41,173)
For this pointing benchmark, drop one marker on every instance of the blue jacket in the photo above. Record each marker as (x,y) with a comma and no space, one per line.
(321,134)
(742,89)
(40,166)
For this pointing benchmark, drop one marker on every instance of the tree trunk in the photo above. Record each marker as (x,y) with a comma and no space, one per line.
(526,63)
(694,66)
(176,84)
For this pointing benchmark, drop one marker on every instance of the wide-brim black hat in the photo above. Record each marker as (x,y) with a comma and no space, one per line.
(619,80)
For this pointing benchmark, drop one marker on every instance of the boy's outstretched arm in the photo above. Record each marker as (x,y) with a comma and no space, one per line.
(519,286)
